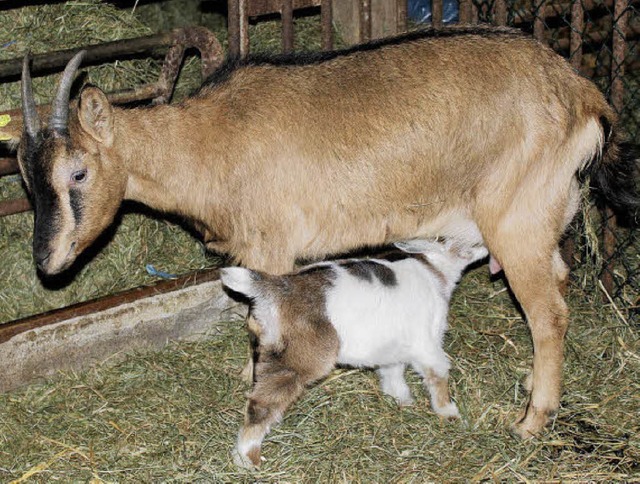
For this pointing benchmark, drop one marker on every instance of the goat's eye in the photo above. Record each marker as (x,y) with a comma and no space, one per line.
(79,176)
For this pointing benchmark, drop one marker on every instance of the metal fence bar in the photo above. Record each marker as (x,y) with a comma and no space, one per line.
(401,12)
(577,31)
(620,14)
(617,102)
(365,20)
(500,12)
(244,28)
(233,27)
(10,207)
(326,20)
(52,61)
(287,26)
(464,10)
(475,13)
(436,13)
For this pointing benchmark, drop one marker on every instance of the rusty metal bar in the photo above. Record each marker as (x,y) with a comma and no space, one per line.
(238,28)
(233,27)
(577,31)
(53,61)
(8,166)
(287,26)
(436,13)
(326,20)
(475,13)
(9,330)
(401,16)
(365,20)
(10,207)
(464,10)
(500,12)
(538,19)
(244,28)
(620,13)
(160,91)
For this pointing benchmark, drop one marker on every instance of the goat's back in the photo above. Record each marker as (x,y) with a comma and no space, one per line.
(404,136)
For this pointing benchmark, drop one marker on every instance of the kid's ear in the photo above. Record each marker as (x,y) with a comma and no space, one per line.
(96,115)
(418,246)
(240,280)
(478,252)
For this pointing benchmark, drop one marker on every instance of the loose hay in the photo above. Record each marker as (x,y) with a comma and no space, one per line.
(174,415)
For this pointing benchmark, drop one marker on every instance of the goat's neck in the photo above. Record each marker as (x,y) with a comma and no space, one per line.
(163,171)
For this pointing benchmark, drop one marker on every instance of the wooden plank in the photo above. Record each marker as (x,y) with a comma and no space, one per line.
(384,18)
(346,15)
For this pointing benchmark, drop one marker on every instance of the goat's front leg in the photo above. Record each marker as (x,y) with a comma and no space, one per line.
(273,393)
(436,381)
(392,383)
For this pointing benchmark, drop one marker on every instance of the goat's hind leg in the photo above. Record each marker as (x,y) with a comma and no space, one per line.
(436,381)
(536,280)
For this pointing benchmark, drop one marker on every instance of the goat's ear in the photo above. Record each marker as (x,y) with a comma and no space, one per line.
(10,129)
(240,280)
(96,115)
(418,246)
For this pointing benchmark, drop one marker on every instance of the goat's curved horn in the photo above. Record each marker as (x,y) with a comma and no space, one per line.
(29,113)
(60,109)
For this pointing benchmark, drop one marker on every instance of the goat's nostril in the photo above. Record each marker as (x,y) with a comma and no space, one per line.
(41,259)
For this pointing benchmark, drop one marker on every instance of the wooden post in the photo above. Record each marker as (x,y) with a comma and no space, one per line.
(382,15)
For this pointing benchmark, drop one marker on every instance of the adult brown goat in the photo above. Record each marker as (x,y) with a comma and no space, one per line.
(474,134)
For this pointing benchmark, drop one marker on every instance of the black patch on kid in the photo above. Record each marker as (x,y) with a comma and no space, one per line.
(370,269)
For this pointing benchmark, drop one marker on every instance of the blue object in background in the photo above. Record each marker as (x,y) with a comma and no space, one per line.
(420,11)
(154,272)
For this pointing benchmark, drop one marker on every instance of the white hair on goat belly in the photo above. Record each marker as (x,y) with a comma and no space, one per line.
(386,312)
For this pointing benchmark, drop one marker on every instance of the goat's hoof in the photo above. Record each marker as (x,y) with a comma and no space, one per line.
(405,401)
(533,422)
(243,461)
(247,372)
(448,411)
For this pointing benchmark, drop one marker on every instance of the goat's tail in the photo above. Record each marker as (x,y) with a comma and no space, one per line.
(615,175)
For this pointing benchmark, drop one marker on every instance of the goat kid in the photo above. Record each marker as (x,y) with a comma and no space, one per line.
(387,313)
(472,133)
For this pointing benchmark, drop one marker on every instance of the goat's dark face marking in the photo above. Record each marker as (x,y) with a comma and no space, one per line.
(66,171)
(51,168)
